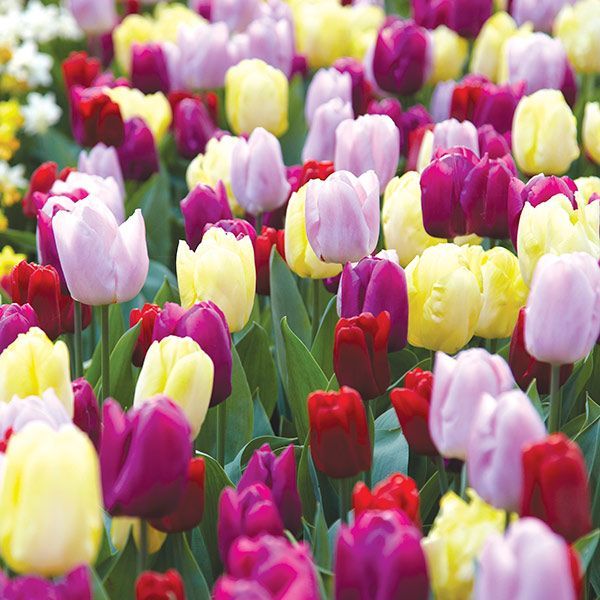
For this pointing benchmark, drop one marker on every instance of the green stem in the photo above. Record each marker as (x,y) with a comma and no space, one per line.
(506,519)
(463,481)
(344,498)
(143,549)
(442,475)
(221,432)
(105,352)
(78,358)
(316,309)
(432,358)
(493,346)
(554,419)
(258,221)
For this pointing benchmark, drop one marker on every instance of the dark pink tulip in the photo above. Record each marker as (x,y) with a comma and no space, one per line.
(239,227)
(138,155)
(14,320)
(193,126)
(393,109)
(413,118)
(466,17)
(76,585)
(492,143)
(86,414)
(361,89)
(149,68)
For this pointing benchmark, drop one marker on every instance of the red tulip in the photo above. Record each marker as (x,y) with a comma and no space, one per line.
(268,238)
(147,315)
(313,169)
(42,180)
(80,69)
(158,586)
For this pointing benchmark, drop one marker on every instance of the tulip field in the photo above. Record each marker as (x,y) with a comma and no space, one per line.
(299,299)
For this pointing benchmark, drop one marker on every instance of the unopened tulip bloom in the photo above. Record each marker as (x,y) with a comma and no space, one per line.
(147,316)
(588,187)
(380,556)
(193,126)
(393,109)
(492,143)
(138,154)
(32,364)
(76,584)
(530,562)
(151,585)
(238,227)
(80,69)
(320,143)
(540,15)
(94,16)
(342,216)
(464,17)
(326,85)
(361,88)
(268,238)
(258,177)
(555,486)
(37,459)
(181,370)
(272,39)
(459,534)
(412,405)
(537,147)
(122,528)
(14,320)
(591,131)
(458,388)
(256,95)
(339,433)
(444,298)
(371,142)
(450,133)
(103,161)
(42,180)
(144,458)
(563,310)
(200,275)
(279,474)
(86,414)
(450,52)
(503,427)
(103,262)
(299,254)
(149,71)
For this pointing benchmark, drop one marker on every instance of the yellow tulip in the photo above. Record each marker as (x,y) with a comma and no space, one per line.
(591,131)
(153,108)
(458,535)
(133,29)
(504,293)
(588,186)
(222,270)
(444,296)
(256,95)
(122,527)
(537,147)
(402,218)
(32,364)
(449,54)
(180,369)
(555,227)
(168,19)
(50,501)
(365,21)
(577,27)
(9,259)
(299,255)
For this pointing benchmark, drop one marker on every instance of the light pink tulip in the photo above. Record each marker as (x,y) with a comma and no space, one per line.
(102,262)
(450,133)
(17,413)
(441,101)
(371,142)
(540,13)
(272,40)
(342,216)
(562,320)
(237,14)
(326,85)
(94,16)
(320,141)
(502,427)
(458,388)
(103,161)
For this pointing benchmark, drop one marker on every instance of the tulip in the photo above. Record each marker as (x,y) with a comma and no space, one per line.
(258,177)
(326,85)
(393,109)
(102,161)
(380,556)
(412,404)
(144,458)
(458,388)
(450,133)
(466,17)
(591,131)
(206,325)
(396,492)
(32,364)
(151,585)
(86,414)
(265,242)
(320,143)
(14,320)
(256,95)
(588,187)
(555,486)
(535,145)
(147,315)
(94,16)
(563,309)
(80,69)
(459,533)
(179,369)
(138,155)
(348,205)
(272,40)
(268,567)
(76,584)
(279,475)
(35,460)
(529,562)
(240,228)
(450,52)
(42,180)
(237,14)
(441,100)
(492,143)
(103,262)
(149,72)
(193,126)
(502,427)
(339,435)
(122,528)
(540,16)
(200,275)
(249,512)
(361,89)
(413,118)
(375,132)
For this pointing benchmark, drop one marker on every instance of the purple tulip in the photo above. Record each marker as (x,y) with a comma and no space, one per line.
(371,142)
(540,14)
(144,458)
(138,154)
(403,57)
(392,108)
(537,190)
(149,71)
(237,14)
(272,40)
(278,474)
(102,161)
(86,414)
(373,285)
(492,143)
(239,227)
(413,118)
(192,127)
(205,323)
(326,85)
(451,133)
(268,567)
(202,7)
(14,320)
(76,585)
(361,89)
(466,17)
(201,206)
(250,512)
(380,556)
(320,141)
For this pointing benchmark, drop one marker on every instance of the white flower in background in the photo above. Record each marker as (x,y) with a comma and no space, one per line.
(29,65)
(10,26)
(12,177)
(41,23)
(40,112)
(10,5)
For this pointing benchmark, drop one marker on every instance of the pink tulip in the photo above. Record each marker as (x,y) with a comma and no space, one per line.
(272,40)
(540,13)
(103,161)
(237,14)
(451,133)
(320,141)
(326,85)
(94,16)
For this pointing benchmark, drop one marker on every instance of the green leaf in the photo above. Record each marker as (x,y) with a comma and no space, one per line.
(306,483)
(165,294)
(390,454)
(322,347)
(293,140)
(533,395)
(576,384)
(56,146)
(120,580)
(586,546)
(21,241)
(122,381)
(304,376)
(262,425)
(157,273)
(97,587)
(320,542)
(429,495)
(401,363)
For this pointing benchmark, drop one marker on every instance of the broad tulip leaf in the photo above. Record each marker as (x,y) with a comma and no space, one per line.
(322,347)
(165,294)
(122,381)
(390,454)
(116,328)
(120,580)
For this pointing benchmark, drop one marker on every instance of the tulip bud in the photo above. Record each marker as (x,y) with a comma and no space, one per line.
(86,414)
(41,181)
(103,161)
(144,458)
(313,169)
(138,154)
(392,108)
(33,459)
(240,228)
(268,238)
(94,17)
(147,315)
(80,69)
(149,72)
(458,387)
(450,52)
(492,143)
(555,486)
(412,404)
(14,320)
(540,16)
(361,89)
(193,126)
(326,85)
(413,118)
(591,131)
(272,40)
(122,528)
(360,571)
(279,475)
(76,584)
(339,434)
(151,585)
(466,17)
